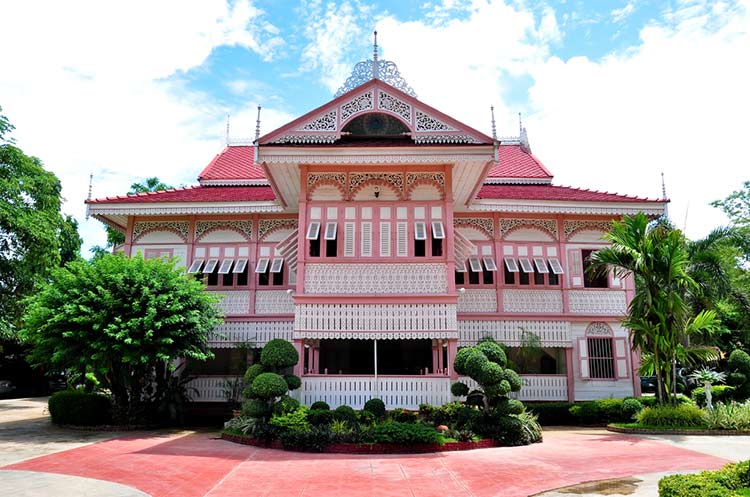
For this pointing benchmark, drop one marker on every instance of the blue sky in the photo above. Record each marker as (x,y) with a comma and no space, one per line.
(612,92)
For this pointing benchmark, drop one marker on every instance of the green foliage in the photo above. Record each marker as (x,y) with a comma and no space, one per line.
(459,389)
(403,416)
(73,407)
(34,236)
(345,413)
(532,430)
(115,237)
(682,415)
(268,386)
(630,407)
(586,413)
(719,393)
(320,405)
(493,351)
(728,416)
(250,375)
(459,362)
(447,413)
(737,205)
(739,362)
(552,413)
(725,482)
(319,417)
(293,381)
(293,421)
(256,408)
(513,379)
(376,407)
(285,405)
(366,418)
(405,433)
(279,354)
(312,440)
(509,406)
(124,319)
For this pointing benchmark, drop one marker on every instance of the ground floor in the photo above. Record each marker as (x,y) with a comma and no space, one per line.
(196,464)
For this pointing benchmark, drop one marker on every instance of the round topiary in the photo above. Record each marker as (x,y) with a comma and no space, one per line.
(253,372)
(376,407)
(366,417)
(497,390)
(490,374)
(493,351)
(285,405)
(320,405)
(507,406)
(345,413)
(73,407)
(630,407)
(293,381)
(474,363)
(279,354)
(459,362)
(318,417)
(255,408)
(459,389)
(269,386)
(513,380)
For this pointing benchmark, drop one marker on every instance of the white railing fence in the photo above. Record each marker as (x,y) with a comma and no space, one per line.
(209,388)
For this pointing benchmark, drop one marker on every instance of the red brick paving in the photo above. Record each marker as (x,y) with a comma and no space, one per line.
(199,465)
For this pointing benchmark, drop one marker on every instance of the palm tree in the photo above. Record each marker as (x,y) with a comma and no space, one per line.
(659,316)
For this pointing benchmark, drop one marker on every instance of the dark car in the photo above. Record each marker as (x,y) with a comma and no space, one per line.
(648,384)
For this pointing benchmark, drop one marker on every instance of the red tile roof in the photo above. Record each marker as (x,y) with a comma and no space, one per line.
(553,192)
(195,194)
(233,163)
(515,162)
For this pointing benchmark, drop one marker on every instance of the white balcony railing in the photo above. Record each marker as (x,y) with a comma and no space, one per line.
(209,388)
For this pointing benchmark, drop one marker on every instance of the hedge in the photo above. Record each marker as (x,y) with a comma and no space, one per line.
(72,407)
(724,482)
(590,412)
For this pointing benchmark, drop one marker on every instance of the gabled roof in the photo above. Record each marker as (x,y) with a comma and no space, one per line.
(555,193)
(194,194)
(235,165)
(324,124)
(517,165)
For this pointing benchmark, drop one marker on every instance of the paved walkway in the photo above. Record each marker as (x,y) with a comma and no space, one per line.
(198,464)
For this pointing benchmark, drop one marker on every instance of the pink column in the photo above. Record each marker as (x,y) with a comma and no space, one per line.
(435,351)
(440,365)
(299,345)
(452,349)
(316,360)
(569,369)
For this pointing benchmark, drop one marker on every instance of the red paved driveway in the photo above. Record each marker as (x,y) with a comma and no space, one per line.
(200,465)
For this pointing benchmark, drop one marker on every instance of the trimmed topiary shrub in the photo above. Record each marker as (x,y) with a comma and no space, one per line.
(586,413)
(320,405)
(255,408)
(405,433)
(630,407)
(679,416)
(345,413)
(739,369)
(376,407)
(552,413)
(725,482)
(285,405)
(719,393)
(279,354)
(404,416)
(72,407)
(293,381)
(319,417)
(295,421)
(268,386)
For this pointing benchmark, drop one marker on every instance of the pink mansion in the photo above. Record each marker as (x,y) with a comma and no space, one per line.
(379,235)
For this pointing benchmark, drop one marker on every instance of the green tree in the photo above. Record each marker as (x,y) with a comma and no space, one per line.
(737,205)
(34,237)
(115,237)
(124,319)
(659,316)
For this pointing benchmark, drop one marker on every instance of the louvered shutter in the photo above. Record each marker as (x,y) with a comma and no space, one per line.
(621,358)
(575,268)
(402,240)
(583,357)
(349,241)
(366,247)
(385,239)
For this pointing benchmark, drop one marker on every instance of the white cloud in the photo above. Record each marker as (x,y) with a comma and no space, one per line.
(86,86)
(619,15)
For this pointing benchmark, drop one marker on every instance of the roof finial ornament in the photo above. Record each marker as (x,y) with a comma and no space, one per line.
(494,129)
(227,137)
(257,126)
(664,197)
(91,183)
(375,71)
(520,125)
(523,137)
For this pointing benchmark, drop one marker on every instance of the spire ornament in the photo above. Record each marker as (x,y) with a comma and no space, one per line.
(367,70)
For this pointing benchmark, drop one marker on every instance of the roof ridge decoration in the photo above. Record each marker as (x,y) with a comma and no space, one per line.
(374,68)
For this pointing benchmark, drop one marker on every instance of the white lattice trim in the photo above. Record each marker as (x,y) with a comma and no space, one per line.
(477,301)
(255,333)
(374,317)
(357,105)
(274,302)
(426,122)
(551,333)
(375,278)
(234,302)
(572,227)
(326,122)
(394,105)
(381,335)
(547,225)
(533,301)
(242,226)
(178,227)
(435,138)
(599,302)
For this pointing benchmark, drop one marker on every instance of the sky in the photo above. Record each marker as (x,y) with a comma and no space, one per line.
(612,93)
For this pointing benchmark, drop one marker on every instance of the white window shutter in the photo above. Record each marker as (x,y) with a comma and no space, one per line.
(402,240)
(583,357)
(575,268)
(349,241)
(313,231)
(385,239)
(420,231)
(621,358)
(330,233)
(366,247)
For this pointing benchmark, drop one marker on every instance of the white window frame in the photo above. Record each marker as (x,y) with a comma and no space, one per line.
(195,266)
(489,263)
(262,265)
(474,264)
(541,265)
(511,264)
(420,230)
(331,230)
(526,265)
(438,232)
(313,230)
(225,266)
(277,264)
(554,263)
(461,266)
(210,266)
(240,266)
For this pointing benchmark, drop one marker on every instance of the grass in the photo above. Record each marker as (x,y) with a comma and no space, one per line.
(743,491)
(660,427)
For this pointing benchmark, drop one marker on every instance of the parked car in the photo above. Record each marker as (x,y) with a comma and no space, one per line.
(648,384)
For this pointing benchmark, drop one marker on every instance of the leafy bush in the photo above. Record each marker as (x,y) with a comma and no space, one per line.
(320,405)
(285,405)
(243,425)
(719,393)
(403,416)
(586,413)
(313,440)
(729,416)
(508,406)
(530,426)
(269,386)
(255,408)
(253,372)
(552,413)
(72,407)
(292,381)
(279,354)
(682,415)
(318,417)
(630,407)
(721,483)
(446,414)
(426,411)
(459,389)
(366,418)
(376,407)
(405,433)
(739,362)
(295,421)
(345,413)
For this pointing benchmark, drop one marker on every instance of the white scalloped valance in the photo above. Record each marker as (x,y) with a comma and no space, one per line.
(375,335)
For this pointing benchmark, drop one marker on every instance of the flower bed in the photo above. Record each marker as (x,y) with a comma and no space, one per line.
(375,448)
